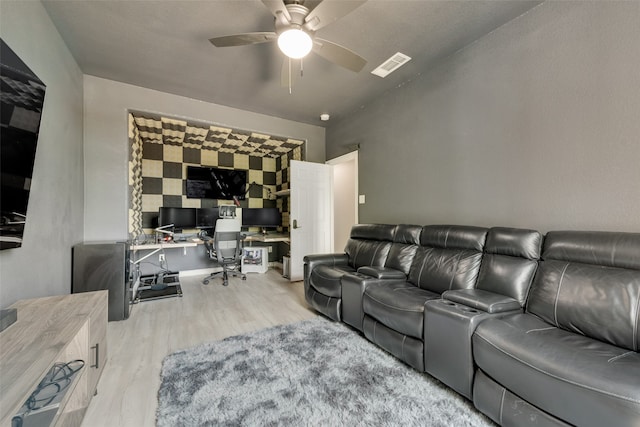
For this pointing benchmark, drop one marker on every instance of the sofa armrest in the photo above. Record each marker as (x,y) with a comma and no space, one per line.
(327,259)
(312,261)
(479,299)
(382,272)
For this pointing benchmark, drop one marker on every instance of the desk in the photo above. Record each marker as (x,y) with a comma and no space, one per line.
(192,257)
(268,238)
(167,245)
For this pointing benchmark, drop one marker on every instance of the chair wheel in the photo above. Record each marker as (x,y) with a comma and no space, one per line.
(205,282)
(244,277)
(225,283)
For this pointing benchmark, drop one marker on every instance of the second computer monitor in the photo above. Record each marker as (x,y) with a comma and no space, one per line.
(261,217)
(206,217)
(181,218)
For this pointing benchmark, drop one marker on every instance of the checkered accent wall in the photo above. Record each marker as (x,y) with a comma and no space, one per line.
(162,148)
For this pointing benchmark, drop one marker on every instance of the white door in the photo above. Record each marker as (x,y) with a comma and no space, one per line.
(311,213)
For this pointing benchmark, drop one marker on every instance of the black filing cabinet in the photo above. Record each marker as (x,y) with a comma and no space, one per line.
(104,265)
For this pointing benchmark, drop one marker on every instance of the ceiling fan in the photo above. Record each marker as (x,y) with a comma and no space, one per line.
(295,29)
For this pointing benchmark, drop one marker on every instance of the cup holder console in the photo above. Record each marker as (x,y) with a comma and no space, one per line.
(453,323)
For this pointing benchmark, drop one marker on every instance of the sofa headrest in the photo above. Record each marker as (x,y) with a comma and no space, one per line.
(373,232)
(515,242)
(453,237)
(407,234)
(610,249)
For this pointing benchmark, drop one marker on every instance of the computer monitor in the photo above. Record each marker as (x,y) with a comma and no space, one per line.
(181,218)
(206,217)
(261,217)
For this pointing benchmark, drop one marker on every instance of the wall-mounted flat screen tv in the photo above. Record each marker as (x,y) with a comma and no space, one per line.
(21,103)
(216,183)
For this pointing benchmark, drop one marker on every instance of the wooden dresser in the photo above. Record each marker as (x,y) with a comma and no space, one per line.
(54,330)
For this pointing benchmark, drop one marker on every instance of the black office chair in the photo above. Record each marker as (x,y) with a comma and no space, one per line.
(225,248)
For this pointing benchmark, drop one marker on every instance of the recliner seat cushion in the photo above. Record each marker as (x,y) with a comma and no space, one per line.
(449,257)
(600,302)
(589,283)
(400,257)
(326,279)
(399,306)
(405,242)
(367,252)
(369,244)
(438,270)
(578,379)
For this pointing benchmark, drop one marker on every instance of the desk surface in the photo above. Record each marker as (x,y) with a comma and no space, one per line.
(259,237)
(167,245)
(267,238)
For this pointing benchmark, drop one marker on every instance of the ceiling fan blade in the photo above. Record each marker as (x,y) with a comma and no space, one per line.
(278,9)
(243,39)
(329,11)
(339,55)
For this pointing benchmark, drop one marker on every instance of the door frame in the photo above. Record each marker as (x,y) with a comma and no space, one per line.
(346,158)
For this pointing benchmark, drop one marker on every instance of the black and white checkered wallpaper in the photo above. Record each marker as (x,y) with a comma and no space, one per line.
(162,148)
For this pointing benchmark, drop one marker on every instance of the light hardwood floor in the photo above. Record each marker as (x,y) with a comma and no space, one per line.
(127,391)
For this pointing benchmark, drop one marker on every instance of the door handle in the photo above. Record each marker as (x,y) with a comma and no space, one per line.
(295,224)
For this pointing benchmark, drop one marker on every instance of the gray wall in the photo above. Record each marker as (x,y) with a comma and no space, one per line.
(535,125)
(106,104)
(42,266)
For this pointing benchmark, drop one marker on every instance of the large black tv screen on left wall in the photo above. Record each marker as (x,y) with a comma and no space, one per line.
(21,102)
(216,183)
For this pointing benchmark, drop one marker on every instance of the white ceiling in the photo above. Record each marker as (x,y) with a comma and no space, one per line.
(163,45)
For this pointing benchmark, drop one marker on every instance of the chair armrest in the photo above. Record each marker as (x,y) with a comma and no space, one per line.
(479,299)
(207,241)
(382,272)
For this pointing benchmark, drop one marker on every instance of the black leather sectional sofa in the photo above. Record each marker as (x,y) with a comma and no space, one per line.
(536,330)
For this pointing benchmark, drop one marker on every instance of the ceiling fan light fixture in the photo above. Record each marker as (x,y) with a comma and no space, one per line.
(295,43)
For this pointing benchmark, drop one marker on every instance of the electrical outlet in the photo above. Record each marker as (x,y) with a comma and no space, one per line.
(270,249)
(161,258)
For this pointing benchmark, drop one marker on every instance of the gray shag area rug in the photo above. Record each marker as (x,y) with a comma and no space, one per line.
(315,372)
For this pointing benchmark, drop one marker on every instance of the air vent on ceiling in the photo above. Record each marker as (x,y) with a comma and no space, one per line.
(390,65)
